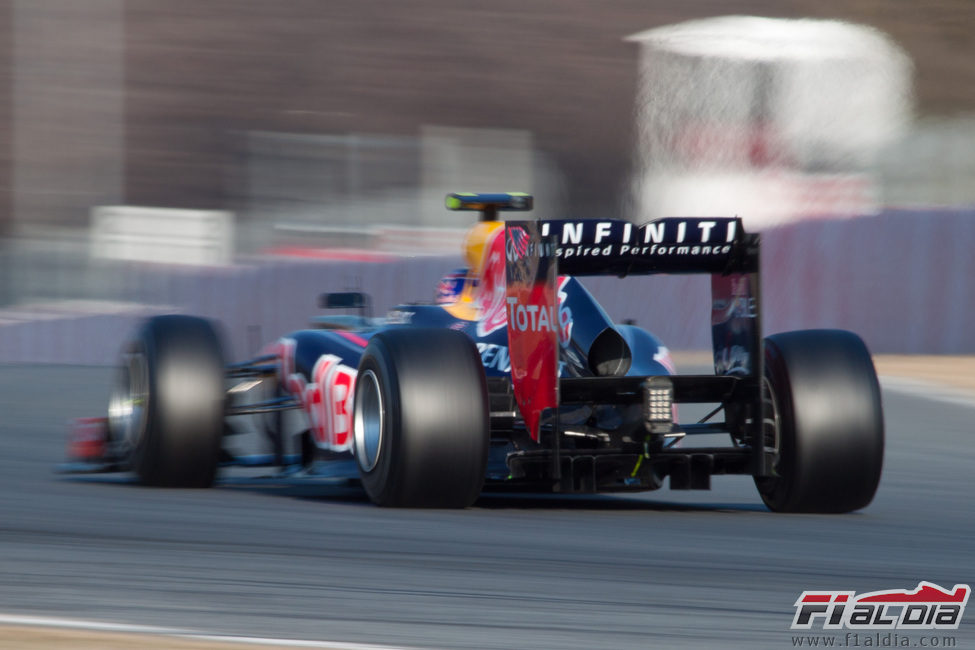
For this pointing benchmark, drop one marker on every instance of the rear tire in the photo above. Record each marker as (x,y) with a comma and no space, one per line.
(421,419)
(830,429)
(174,419)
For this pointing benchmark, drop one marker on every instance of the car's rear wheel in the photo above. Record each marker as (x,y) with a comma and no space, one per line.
(167,410)
(826,422)
(421,421)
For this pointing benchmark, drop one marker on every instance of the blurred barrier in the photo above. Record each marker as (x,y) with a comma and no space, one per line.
(255,303)
(69,333)
(901,280)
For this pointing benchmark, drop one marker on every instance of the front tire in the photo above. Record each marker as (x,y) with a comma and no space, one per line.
(828,421)
(169,404)
(421,420)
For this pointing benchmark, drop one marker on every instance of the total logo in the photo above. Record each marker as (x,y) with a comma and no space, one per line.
(928,607)
(531,318)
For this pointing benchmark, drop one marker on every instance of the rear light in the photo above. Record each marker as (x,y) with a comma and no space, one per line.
(658,404)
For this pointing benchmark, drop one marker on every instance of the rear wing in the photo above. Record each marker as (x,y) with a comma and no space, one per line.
(536,252)
(619,247)
(671,245)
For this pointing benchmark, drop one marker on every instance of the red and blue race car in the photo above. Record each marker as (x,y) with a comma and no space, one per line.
(514,377)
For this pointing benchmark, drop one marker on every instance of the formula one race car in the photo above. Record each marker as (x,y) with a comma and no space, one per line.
(516,377)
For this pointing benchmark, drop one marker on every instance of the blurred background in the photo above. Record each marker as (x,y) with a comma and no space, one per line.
(235,158)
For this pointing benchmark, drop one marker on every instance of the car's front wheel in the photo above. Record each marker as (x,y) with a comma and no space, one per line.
(167,411)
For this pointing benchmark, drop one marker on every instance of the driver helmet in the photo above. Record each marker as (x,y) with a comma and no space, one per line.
(476,243)
(458,286)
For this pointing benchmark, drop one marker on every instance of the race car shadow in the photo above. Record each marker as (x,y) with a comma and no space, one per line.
(352,493)
(337,492)
(602,502)
(345,491)
(324,490)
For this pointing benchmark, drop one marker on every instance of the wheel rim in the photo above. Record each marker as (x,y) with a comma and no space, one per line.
(127,405)
(369,420)
(770,486)
(771,426)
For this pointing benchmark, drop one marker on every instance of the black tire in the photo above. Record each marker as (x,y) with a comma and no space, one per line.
(421,421)
(175,370)
(830,428)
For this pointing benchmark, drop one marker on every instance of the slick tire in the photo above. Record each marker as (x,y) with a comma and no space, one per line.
(175,371)
(421,422)
(828,422)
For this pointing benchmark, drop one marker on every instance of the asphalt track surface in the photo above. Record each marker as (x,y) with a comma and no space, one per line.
(299,561)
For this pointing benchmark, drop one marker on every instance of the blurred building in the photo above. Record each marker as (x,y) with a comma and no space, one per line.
(189,104)
(195,78)
(772,119)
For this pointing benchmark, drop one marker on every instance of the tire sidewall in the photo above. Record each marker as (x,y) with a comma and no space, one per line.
(379,480)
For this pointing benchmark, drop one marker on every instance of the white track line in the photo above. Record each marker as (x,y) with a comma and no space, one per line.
(99,626)
(928,390)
